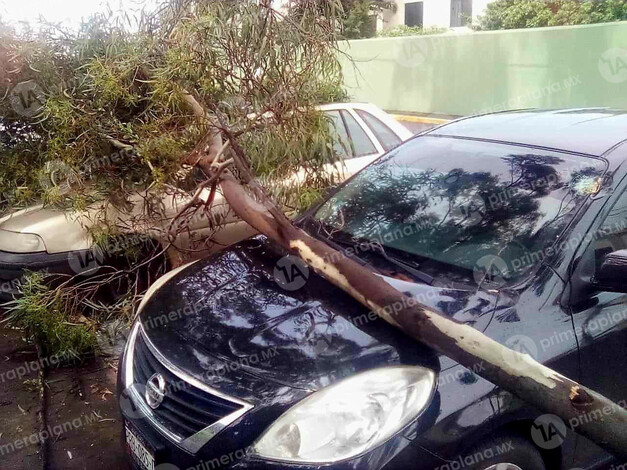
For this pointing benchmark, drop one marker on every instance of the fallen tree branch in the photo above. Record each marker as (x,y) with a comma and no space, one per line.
(212,166)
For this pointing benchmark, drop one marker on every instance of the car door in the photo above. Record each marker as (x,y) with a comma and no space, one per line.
(600,317)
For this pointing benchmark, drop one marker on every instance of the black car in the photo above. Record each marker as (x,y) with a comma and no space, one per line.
(506,222)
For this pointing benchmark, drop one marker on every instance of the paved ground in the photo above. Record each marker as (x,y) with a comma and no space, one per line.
(81,412)
(83,401)
(19,402)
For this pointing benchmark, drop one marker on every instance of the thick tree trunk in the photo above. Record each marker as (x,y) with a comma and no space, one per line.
(597,418)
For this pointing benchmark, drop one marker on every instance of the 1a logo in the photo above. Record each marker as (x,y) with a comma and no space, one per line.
(291,273)
(321,344)
(57,174)
(492,269)
(86,261)
(411,54)
(548,432)
(127,403)
(468,211)
(521,353)
(27,99)
(613,65)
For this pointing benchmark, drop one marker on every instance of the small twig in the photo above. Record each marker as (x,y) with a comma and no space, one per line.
(116,143)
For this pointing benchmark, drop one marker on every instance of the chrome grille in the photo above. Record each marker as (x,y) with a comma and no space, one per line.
(190,414)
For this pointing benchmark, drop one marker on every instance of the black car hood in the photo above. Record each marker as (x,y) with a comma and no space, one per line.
(228,312)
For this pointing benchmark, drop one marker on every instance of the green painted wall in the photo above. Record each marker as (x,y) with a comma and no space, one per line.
(491,71)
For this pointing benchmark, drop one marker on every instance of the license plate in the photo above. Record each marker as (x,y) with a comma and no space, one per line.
(144,457)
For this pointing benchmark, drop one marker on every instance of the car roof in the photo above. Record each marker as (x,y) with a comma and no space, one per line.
(592,131)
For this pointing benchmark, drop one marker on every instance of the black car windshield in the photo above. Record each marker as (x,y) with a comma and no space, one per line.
(464,205)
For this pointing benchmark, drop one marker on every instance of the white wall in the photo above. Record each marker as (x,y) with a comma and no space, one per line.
(436,13)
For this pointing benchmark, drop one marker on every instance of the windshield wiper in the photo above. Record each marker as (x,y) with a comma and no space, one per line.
(408,267)
(339,244)
(340,248)
(317,232)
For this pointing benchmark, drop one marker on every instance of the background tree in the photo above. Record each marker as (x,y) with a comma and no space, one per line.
(512,14)
(359,19)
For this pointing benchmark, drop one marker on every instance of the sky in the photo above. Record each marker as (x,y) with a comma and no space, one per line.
(68,12)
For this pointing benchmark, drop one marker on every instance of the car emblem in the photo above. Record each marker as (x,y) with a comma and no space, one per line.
(155,391)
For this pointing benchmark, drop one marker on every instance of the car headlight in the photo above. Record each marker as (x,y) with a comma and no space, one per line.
(350,417)
(16,242)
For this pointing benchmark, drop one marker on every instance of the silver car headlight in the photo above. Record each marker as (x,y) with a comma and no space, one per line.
(350,417)
(16,242)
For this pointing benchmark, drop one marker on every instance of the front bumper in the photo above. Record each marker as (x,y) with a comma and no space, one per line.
(231,448)
(400,453)
(13,266)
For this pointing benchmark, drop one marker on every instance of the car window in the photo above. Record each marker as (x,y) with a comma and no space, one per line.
(612,234)
(341,141)
(386,136)
(362,145)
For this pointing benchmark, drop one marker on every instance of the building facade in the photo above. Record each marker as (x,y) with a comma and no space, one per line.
(434,13)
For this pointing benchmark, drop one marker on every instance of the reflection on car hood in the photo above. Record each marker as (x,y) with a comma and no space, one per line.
(229,307)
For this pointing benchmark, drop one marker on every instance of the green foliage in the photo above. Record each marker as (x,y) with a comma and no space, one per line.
(359,19)
(17,178)
(104,86)
(511,14)
(44,318)
(589,12)
(309,196)
(402,30)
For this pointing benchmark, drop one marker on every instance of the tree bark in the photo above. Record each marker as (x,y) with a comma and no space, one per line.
(597,418)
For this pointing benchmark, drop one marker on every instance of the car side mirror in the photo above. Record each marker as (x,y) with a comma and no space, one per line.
(612,275)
